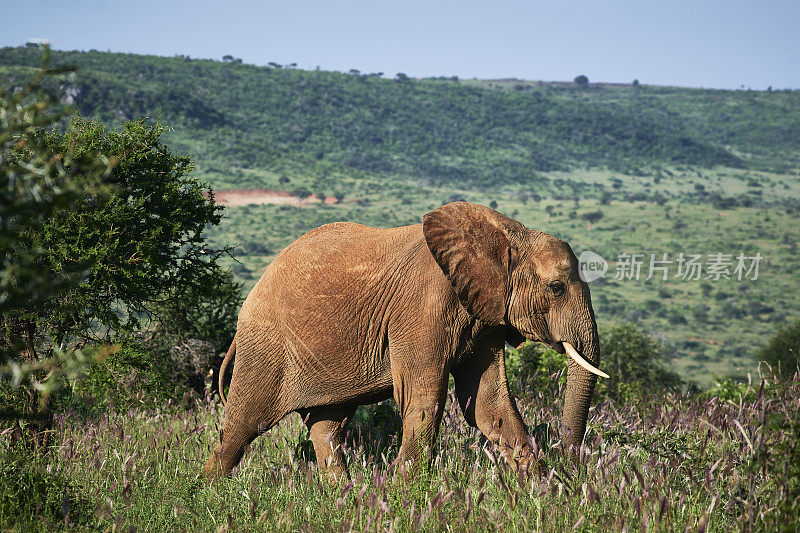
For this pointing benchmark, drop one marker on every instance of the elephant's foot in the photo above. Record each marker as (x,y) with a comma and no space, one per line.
(528,465)
(234,439)
(214,469)
(523,459)
(222,461)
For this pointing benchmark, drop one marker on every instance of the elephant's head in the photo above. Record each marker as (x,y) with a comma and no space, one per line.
(508,275)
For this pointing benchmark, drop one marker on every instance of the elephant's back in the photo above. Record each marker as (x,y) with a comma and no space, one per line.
(326,242)
(345,247)
(324,304)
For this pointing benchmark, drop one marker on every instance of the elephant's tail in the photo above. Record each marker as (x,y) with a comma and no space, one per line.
(228,357)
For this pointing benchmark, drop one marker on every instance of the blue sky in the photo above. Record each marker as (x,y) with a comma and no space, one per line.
(699,43)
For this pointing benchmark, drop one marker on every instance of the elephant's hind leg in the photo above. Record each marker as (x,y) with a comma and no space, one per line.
(327,426)
(236,435)
(234,438)
(252,409)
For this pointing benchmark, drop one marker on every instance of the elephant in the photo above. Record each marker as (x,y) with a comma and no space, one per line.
(349,315)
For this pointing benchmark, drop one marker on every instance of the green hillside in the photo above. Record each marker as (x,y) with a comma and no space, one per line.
(655,169)
(438,131)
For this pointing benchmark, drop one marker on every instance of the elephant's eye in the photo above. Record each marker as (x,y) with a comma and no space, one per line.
(557,287)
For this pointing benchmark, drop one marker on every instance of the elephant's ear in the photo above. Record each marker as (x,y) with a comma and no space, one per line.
(470,242)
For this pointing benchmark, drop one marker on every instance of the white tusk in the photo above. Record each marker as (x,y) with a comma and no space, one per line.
(572,352)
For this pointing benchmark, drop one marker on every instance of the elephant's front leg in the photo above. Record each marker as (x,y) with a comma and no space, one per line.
(420,392)
(482,391)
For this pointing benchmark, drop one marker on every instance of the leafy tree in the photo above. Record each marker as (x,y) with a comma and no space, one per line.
(102,235)
(781,352)
(38,185)
(635,362)
(102,231)
(581,81)
(592,217)
(141,244)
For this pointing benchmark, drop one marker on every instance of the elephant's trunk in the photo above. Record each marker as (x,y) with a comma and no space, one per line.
(580,385)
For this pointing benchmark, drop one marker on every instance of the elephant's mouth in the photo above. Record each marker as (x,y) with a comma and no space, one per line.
(527,336)
(557,346)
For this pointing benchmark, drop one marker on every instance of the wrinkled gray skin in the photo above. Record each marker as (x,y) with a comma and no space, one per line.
(349,315)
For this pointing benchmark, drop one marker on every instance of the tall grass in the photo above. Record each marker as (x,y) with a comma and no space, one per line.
(712,462)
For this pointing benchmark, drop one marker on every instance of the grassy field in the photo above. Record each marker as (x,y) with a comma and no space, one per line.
(612,169)
(671,169)
(711,327)
(670,463)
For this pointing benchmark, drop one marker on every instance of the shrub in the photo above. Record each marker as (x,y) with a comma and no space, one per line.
(635,362)
(143,242)
(142,253)
(37,185)
(730,390)
(377,428)
(782,351)
(103,233)
(535,369)
(145,372)
(202,313)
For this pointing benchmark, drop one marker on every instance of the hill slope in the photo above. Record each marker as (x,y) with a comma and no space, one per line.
(438,130)
(657,170)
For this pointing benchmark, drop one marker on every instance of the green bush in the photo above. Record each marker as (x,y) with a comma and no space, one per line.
(103,236)
(204,313)
(637,364)
(38,184)
(143,243)
(145,373)
(534,368)
(382,425)
(732,390)
(782,351)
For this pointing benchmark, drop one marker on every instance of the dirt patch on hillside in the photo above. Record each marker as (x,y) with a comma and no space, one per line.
(709,341)
(237,197)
